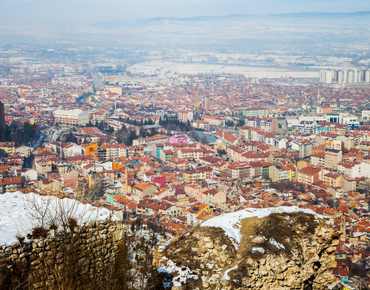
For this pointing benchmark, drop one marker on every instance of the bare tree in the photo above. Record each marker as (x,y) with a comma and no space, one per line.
(166,168)
(204,140)
(96,185)
(194,135)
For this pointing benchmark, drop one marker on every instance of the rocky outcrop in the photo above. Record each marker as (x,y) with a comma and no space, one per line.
(278,249)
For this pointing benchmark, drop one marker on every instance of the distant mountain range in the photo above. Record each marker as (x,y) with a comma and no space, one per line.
(233,17)
(314,33)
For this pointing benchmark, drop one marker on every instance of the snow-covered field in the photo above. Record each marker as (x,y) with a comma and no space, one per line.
(169,69)
(20,213)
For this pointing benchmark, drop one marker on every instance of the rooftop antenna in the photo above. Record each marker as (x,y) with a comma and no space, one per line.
(343,228)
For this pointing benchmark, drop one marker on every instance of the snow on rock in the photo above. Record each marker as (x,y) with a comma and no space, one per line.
(276,244)
(18,214)
(210,266)
(183,273)
(226,274)
(231,222)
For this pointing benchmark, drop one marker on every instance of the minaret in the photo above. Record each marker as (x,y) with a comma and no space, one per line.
(126,183)
(343,228)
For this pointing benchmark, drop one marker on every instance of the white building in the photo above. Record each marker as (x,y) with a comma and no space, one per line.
(344,76)
(71,117)
(354,169)
(326,76)
(365,115)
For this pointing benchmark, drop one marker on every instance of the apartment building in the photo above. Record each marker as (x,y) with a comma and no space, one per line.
(304,147)
(318,159)
(348,184)
(214,120)
(333,179)
(214,197)
(309,174)
(114,150)
(202,125)
(354,169)
(185,116)
(277,173)
(150,140)
(269,125)
(332,158)
(244,132)
(99,116)
(239,170)
(158,147)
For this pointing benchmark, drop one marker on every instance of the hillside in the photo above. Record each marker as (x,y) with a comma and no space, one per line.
(274,248)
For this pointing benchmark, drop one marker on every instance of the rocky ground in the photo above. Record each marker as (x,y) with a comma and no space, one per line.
(280,249)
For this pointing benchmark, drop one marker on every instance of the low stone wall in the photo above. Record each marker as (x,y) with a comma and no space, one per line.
(90,246)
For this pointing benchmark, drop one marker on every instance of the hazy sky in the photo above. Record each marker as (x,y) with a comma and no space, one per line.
(36,11)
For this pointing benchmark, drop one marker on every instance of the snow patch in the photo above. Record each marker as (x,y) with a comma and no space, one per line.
(231,222)
(226,274)
(209,265)
(261,250)
(18,214)
(161,248)
(184,273)
(276,244)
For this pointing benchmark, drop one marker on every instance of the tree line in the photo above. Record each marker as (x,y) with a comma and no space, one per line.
(102,126)
(20,134)
(142,122)
(175,124)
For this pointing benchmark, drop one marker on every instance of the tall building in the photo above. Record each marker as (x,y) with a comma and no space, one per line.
(326,76)
(341,79)
(367,76)
(344,76)
(351,77)
(2,115)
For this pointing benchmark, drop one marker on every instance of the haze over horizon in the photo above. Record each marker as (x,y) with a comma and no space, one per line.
(56,11)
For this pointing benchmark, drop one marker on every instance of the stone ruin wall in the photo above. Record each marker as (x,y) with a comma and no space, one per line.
(95,246)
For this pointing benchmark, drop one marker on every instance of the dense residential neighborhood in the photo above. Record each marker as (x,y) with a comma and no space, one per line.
(179,151)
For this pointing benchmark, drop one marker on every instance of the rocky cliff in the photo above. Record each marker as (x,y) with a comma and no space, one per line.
(277,248)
